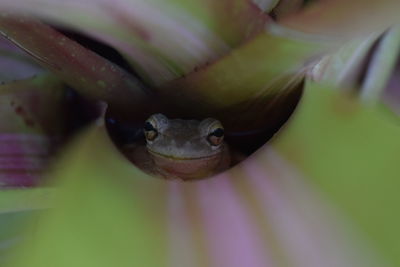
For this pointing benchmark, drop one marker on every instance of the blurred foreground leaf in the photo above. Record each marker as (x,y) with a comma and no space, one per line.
(33,116)
(316,197)
(16,200)
(350,152)
(111,211)
(12,226)
(18,208)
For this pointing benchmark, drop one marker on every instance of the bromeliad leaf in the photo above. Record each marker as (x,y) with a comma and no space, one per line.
(344,68)
(340,19)
(21,200)
(250,84)
(33,119)
(75,65)
(135,228)
(12,228)
(381,67)
(266,5)
(264,212)
(15,64)
(349,150)
(18,208)
(287,7)
(164,40)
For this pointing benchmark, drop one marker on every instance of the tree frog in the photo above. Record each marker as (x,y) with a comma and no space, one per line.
(177,148)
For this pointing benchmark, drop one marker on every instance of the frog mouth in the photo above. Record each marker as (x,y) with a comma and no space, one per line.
(180,158)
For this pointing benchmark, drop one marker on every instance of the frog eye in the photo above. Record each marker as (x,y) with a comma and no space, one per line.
(150,132)
(213,130)
(216,136)
(153,125)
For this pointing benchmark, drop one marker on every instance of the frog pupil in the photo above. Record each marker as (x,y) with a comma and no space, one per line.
(218,132)
(148,127)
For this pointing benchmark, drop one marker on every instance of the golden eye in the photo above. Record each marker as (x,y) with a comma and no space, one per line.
(216,136)
(154,125)
(150,131)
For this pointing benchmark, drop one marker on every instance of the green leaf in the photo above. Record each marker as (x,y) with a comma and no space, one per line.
(12,226)
(349,151)
(251,87)
(344,19)
(106,221)
(19,200)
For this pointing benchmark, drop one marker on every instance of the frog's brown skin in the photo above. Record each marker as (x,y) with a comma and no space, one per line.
(185,149)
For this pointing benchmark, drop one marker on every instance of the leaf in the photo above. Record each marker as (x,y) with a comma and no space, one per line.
(126,234)
(11,232)
(349,151)
(266,5)
(33,119)
(163,40)
(20,200)
(391,95)
(338,19)
(18,208)
(77,66)
(345,68)
(26,104)
(287,7)
(263,212)
(250,87)
(14,64)
(362,65)
(381,66)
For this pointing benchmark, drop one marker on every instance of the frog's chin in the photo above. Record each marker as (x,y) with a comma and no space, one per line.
(186,168)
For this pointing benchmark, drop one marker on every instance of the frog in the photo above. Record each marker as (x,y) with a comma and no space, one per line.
(181,149)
